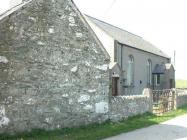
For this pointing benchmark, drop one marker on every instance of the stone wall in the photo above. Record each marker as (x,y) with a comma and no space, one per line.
(53,70)
(122,107)
(181,98)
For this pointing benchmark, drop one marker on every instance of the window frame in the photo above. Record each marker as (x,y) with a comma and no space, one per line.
(119,54)
(130,71)
(149,72)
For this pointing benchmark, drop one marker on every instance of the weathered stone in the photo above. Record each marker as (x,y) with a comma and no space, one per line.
(122,107)
(3,59)
(4,121)
(49,58)
(180,98)
(102,107)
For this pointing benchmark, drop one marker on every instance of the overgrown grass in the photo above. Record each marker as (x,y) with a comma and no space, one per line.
(97,131)
(181,83)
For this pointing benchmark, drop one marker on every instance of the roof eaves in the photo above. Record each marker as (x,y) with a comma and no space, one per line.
(144,50)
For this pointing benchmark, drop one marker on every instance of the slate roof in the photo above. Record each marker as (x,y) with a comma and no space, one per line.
(126,37)
(159,69)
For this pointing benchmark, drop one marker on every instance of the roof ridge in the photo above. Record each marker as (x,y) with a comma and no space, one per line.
(112,25)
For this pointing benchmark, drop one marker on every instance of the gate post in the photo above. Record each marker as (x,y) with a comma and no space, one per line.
(175,98)
(148,92)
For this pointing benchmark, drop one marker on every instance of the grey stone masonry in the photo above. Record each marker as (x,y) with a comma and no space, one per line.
(53,70)
(181,98)
(122,107)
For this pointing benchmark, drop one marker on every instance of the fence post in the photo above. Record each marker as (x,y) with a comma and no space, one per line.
(148,92)
(175,98)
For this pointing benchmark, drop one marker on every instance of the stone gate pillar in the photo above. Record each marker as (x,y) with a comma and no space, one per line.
(175,98)
(148,92)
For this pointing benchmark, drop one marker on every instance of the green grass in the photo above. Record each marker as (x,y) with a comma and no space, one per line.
(97,131)
(181,83)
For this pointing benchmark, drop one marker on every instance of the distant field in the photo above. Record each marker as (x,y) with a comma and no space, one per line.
(181,83)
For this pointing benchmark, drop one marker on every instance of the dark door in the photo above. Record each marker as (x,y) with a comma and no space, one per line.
(115,86)
(171,83)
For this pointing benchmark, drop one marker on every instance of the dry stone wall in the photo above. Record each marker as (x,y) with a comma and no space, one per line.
(181,98)
(122,107)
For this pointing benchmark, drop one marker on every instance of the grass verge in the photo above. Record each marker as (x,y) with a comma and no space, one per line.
(181,83)
(98,131)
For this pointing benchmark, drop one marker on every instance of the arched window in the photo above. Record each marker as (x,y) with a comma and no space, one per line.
(149,72)
(130,71)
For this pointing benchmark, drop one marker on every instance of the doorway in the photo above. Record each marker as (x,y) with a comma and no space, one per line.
(171,83)
(115,86)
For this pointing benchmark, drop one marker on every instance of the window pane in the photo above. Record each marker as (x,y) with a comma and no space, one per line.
(158,79)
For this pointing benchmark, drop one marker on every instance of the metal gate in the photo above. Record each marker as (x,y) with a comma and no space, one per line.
(163,101)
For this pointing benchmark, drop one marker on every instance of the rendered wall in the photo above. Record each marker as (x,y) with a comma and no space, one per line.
(140,63)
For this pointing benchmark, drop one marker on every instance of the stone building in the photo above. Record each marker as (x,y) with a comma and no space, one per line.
(53,69)
(57,66)
(141,65)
